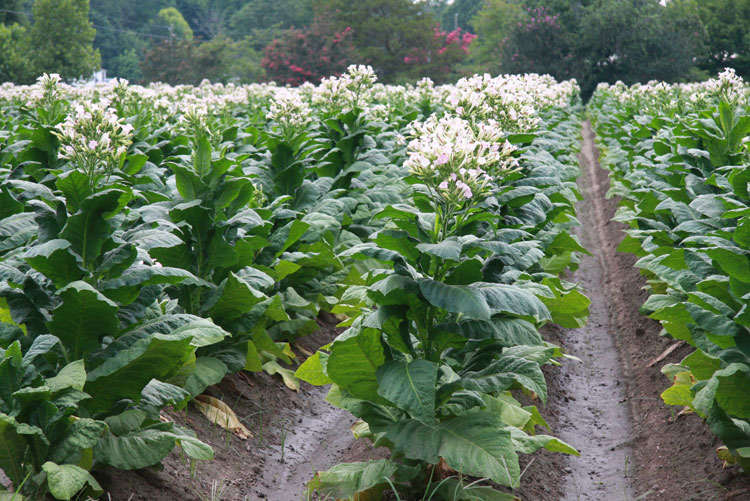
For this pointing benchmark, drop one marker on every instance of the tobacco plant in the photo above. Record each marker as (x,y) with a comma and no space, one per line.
(429,363)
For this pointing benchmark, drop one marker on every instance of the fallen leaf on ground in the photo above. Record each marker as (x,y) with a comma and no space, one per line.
(221,414)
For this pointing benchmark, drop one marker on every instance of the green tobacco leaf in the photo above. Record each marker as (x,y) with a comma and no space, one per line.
(729,388)
(127,373)
(234,298)
(294,232)
(742,233)
(8,203)
(208,371)
(66,480)
(76,186)
(503,373)
(313,371)
(345,480)
(569,310)
(72,375)
(137,449)
(734,264)
(195,449)
(41,345)
(514,300)
(508,409)
(160,394)
(566,242)
(54,260)
(202,160)
(353,363)
(83,319)
(128,421)
(82,434)
(87,229)
(126,288)
(12,449)
(119,259)
(475,443)
(701,365)
(264,342)
(447,249)
(399,241)
(451,488)
(509,331)
(204,333)
(411,386)
(464,299)
(531,443)
(282,269)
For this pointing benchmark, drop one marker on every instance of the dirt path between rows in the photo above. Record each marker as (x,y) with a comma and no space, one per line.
(594,413)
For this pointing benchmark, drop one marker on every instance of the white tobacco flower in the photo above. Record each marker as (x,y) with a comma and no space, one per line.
(93,139)
(290,111)
(455,158)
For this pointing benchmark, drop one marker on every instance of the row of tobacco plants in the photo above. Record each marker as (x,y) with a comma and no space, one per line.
(154,240)
(680,162)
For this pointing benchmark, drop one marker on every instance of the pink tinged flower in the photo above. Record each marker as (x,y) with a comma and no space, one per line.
(443,185)
(93,144)
(69,149)
(465,190)
(453,176)
(460,110)
(442,159)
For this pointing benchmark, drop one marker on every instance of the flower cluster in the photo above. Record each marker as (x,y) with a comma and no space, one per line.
(50,85)
(660,98)
(728,86)
(457,160)
(94,139)
(514,100)
(197,122)
(290,111)
(348,91)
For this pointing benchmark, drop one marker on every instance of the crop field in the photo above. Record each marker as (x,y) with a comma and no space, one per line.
(424,275)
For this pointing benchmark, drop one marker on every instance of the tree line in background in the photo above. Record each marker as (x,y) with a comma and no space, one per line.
(294,41)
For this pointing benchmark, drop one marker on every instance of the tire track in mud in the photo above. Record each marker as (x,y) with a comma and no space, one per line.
(594,416)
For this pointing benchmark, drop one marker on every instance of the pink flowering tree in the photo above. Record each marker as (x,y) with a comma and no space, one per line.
(308,55)
(442,57)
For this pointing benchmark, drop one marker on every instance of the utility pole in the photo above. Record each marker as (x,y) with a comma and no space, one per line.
(455,21)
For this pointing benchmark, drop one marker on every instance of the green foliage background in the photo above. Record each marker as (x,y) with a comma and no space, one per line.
(224,40)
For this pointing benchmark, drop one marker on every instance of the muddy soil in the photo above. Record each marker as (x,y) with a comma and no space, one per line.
(595,417)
